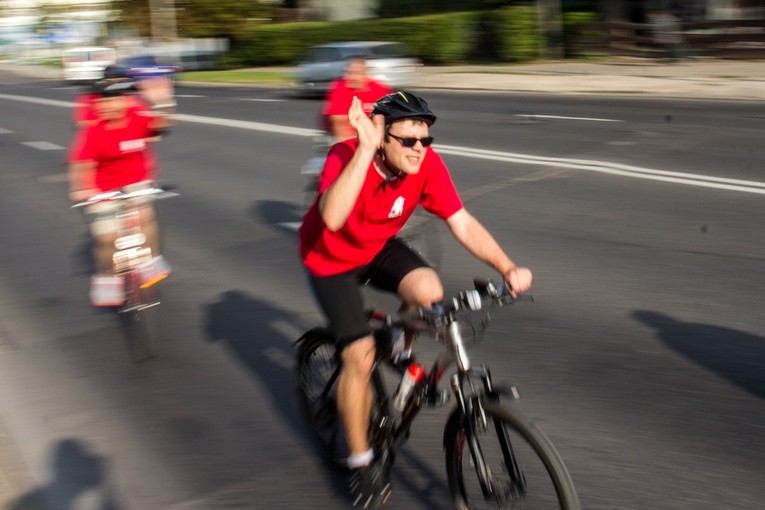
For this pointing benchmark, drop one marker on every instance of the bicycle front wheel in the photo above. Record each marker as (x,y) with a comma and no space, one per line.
(316,371)
(498,458)
(140,320)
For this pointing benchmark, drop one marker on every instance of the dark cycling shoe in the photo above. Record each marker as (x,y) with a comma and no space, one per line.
(370,485)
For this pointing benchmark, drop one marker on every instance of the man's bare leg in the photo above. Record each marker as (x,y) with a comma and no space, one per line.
(354,393)
(421,287)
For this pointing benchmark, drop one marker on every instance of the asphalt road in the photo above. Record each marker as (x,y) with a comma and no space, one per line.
(642,357)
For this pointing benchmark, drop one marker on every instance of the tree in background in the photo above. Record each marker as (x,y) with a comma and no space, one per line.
(199,18)
(403,8)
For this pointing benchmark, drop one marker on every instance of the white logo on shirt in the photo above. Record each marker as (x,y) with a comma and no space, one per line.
(397,209)
(132,145)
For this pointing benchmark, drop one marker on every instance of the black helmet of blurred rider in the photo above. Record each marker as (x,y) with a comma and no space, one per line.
(112,87)
(402,105)
(115,71)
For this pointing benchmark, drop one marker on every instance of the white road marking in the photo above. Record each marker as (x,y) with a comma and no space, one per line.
(245,124)
(37,100)
(5,131)
(54,178)
(559,117)
(262,100)
(289,225)
(604,167)
(43,146)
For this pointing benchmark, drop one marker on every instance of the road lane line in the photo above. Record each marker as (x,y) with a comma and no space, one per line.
(560,117)
(604,167)
(43,146)
(610,168)
(246,124)
(37,100)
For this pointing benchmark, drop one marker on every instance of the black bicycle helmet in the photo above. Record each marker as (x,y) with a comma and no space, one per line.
(403,105)
(110,87)
(116,71)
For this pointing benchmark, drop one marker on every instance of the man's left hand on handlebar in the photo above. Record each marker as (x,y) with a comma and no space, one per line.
(519,279)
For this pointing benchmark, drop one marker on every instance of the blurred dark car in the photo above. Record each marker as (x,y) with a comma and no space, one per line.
(387,62)
(146,66)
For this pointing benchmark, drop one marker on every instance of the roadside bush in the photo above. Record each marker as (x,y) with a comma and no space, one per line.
(518,34)
(437,38)
(578,40)
(507,34)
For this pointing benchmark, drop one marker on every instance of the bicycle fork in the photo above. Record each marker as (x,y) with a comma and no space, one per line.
(475,419)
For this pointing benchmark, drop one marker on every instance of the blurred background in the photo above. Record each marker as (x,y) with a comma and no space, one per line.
(209,34)
(643,357)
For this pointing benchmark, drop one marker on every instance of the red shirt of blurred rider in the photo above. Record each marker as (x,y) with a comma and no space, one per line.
(354,83)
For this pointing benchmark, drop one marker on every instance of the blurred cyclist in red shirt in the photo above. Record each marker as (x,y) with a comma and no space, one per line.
(354,83)
(111,153)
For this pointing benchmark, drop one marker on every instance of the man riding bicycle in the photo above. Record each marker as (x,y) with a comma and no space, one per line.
(369,187)
(111,154)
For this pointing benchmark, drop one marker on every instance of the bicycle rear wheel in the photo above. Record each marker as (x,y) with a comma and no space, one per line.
(316,371)
(505,438)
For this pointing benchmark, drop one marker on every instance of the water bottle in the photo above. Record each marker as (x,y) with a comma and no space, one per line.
(412,376)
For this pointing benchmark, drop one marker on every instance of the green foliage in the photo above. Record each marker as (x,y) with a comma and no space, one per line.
(578,40)
(510,34)
(199,18)
(404,8)
(506,34)
(518,34)
(436,39)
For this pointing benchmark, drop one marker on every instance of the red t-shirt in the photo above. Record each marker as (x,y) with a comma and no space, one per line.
(120,153)
(340,97)
(85,112)
(379,213)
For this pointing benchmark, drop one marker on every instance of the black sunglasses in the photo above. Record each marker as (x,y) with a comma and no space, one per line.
(411,141)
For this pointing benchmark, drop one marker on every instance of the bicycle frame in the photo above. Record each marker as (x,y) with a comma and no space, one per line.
(131,252)
(468,404)
(130,245)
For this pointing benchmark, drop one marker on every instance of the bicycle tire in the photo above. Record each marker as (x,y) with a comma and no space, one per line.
(140,321)
(316,372)
(547,481)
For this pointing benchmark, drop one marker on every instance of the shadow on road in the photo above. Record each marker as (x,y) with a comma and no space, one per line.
(253,330)
(250,329)
(79,480)
(283,216)
(734,355)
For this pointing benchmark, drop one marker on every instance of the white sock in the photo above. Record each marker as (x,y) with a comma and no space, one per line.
(358,460)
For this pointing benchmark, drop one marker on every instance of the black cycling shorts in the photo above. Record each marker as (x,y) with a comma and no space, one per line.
(340,297)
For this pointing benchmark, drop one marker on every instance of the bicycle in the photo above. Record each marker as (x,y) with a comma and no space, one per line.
(516,468)
(138,312)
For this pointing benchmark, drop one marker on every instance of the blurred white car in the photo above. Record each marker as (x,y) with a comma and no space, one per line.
(86,64)
(388,62)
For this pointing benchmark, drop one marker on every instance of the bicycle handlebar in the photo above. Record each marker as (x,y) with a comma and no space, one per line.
(485,294)
(154,192)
